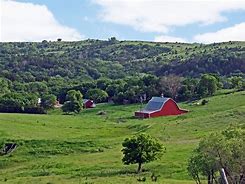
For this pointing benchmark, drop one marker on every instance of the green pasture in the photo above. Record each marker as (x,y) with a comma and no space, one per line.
(86,148)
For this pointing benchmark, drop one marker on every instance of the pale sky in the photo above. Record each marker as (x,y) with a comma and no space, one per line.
(204,21)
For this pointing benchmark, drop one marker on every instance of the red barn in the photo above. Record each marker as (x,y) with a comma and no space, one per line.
(88,103)
(160,106)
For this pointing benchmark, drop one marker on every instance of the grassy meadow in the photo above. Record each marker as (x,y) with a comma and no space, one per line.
(86,148)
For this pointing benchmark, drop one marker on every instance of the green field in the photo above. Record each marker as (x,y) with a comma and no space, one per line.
(86,148)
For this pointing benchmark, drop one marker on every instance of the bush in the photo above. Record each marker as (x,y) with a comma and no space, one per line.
(204,102)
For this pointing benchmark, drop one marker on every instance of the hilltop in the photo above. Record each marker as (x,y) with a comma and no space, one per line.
(86,148)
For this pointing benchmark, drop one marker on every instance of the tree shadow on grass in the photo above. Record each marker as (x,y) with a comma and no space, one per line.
(124,119)
(139,128)
(105,173)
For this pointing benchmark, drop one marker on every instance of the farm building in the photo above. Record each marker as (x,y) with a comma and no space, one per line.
(88,103)
(160,106)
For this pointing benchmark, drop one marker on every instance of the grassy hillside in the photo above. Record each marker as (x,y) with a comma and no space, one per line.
(85,148)
(92,59)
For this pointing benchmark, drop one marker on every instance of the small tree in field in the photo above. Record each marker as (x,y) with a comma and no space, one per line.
(141,149)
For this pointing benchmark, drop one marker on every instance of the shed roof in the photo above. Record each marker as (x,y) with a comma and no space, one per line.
(85,100)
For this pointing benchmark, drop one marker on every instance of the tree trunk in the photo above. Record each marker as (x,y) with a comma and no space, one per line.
(197,180)
(223,176)
(215,179)
(212,176)
(209,179)
(139,168)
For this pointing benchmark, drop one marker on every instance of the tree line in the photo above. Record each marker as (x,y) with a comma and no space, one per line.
(118,71)
(14,96)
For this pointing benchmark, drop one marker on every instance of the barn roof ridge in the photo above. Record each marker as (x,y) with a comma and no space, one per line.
(159,99)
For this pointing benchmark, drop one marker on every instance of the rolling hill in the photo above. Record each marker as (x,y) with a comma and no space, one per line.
(86,148)
(92,59)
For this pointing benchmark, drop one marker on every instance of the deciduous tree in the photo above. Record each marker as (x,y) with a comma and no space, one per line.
(220,150)
(97,95)
(207,85)
(74,102)
(141,149)
(171,84)
(48,101)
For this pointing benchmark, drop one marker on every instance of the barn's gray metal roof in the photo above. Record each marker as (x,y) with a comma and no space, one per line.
(155,104)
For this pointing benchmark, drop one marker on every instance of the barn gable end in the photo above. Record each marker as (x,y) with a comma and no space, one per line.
(88,103)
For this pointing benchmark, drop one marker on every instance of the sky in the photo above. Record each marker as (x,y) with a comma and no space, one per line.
(202,21)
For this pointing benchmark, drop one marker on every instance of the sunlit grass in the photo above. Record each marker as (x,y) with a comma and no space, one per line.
(86,148)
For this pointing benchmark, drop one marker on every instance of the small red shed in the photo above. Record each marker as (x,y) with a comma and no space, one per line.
(88,103)
(160,106)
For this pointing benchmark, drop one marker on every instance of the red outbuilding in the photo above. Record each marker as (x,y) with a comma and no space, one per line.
(160,106)
(88,103)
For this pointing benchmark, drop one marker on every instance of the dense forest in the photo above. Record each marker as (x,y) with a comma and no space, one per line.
(121,71)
